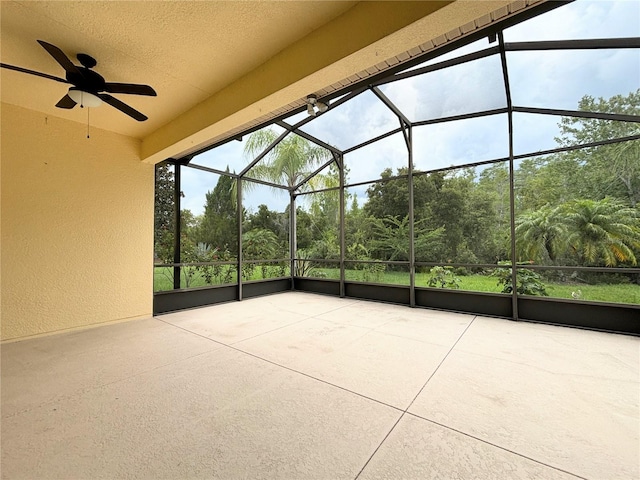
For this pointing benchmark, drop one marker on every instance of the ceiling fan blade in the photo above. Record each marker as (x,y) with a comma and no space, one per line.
(66,102)
(59,56)
(32,72)
(123,107)
(130,88)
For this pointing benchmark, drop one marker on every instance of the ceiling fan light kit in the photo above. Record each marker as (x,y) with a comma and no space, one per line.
(88,88)
(84,99)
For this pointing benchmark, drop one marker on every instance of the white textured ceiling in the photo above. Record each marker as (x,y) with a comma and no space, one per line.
(216,65)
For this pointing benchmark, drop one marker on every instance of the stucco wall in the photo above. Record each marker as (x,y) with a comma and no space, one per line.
(77,225)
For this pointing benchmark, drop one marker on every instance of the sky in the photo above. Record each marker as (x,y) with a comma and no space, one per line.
(551,79)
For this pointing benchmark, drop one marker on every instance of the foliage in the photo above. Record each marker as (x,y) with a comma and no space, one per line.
(305,266)
(541,234)
(258,244)
(371,271)
(327,246)
(164,213)
(576,208)
(213,273)
(266,219)
(219,224)
(289,162)
(323,225)
(391,239)
(444,213)
(487,204)
(582,232)
(528,281)
(551,180)
(609,170)
(389,198)
(603,231)
(618,292)
(443,277)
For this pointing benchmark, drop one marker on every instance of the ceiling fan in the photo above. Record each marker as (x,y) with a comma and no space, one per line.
(88,88)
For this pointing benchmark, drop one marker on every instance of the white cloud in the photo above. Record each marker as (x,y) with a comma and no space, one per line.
(464,141)
(195,185)
(533,133)
(256,194)
(559,79)
(469,87)
(368,162)
(580,20)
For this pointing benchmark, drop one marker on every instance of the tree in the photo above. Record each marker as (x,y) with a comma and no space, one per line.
(391,240)
(219,225)
(551,180)
(189,223)
(541,234)
(494,186)
(389,198)
(164,213)
(357,232)
(263,218)
(603,231)
(304,231)
(449,211)
(289,162)
(486,226)
(609,170)
(258,244)
(270,220)
(451,206)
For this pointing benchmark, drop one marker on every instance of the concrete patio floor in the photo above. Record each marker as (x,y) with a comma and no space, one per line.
(303,386)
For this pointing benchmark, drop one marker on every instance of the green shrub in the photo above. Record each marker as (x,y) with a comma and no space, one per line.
(529,282)
(443,277)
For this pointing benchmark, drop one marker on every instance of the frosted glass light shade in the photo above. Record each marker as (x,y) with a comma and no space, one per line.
(83,98)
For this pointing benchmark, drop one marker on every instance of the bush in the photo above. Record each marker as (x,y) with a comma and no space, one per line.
(371,272)
(529,282)
(212,274)
(443,277)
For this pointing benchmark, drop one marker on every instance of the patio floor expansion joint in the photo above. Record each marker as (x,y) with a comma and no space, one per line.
(239,350)
(513,452)
(414,398)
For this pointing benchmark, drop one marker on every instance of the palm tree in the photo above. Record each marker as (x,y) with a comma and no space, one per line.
(603,230)
(289,162)
(541,234)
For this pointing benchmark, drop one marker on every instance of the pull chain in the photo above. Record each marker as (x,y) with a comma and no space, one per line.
(88,122)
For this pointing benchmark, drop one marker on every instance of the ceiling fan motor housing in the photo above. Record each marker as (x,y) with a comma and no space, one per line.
(86,80)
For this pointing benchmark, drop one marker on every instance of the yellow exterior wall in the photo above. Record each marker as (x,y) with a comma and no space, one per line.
(77,225)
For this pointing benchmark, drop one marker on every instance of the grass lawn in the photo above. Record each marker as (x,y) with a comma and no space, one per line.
(620,293)
(616,293)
